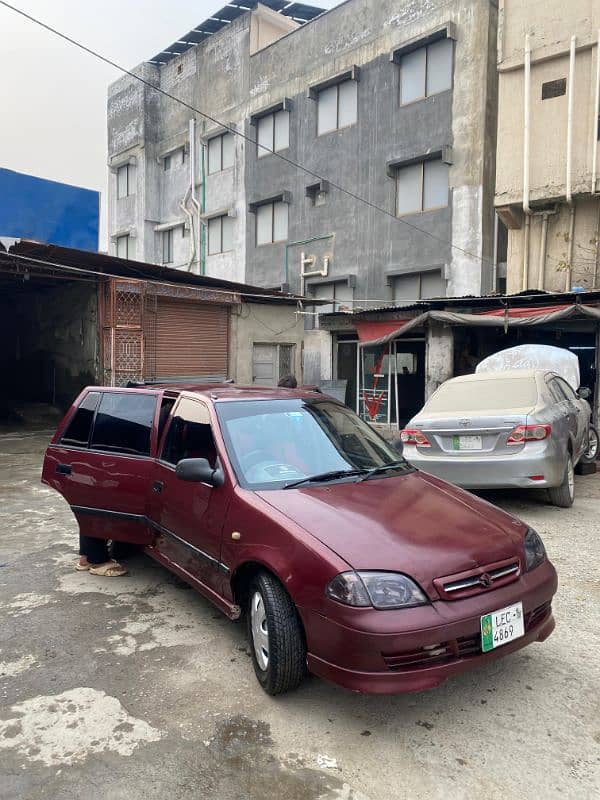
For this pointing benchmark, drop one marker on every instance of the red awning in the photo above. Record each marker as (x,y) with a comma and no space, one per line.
(513,313)
(373,331)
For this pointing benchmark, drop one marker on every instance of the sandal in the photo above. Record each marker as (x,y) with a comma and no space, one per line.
(112,569)
(82,567)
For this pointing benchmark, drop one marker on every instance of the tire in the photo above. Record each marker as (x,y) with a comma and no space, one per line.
(563,495)
(591,454)
(276,636)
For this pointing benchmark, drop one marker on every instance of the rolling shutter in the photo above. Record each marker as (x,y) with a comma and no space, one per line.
(191,339)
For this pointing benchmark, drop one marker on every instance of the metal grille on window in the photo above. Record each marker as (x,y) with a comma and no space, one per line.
(285,360)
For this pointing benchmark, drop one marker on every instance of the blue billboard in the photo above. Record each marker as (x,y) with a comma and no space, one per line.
(48,211)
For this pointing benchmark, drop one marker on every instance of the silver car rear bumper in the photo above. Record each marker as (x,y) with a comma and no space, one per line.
(514,470)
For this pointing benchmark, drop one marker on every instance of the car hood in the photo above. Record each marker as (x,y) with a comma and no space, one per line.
(415,523)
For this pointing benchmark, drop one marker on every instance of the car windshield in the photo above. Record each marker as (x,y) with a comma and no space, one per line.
(273,443)
(484,395)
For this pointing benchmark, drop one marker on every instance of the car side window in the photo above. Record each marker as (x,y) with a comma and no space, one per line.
(555,391)
(124,423)
(79,428)
(566,389)
(190,434)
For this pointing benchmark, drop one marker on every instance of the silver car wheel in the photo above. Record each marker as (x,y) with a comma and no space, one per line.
(260,630)
(592,451)
(571,478)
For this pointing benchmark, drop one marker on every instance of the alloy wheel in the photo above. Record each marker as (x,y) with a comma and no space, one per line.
(260,630)
(571,478)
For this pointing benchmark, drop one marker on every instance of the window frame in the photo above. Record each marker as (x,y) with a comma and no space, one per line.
(220,218)
(272,204)
(422,165)
(126,170)
(262,151)
(167,238)
(425,46)
(126,238)
(277,363)
(180,401)
(222,168)
(336,86)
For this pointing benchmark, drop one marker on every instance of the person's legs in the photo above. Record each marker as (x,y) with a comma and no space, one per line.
(95,551)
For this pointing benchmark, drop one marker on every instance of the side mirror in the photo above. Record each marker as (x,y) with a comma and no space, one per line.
(199,470)
(584,392)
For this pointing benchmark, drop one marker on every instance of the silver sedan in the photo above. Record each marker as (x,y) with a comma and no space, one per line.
(518,428)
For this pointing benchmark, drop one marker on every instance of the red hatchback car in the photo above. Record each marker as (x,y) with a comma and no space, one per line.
(284,505)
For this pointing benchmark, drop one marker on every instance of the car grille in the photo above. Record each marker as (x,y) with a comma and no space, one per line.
(477,581)
(454,649)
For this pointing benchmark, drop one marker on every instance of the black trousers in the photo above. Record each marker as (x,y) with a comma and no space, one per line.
(95,550)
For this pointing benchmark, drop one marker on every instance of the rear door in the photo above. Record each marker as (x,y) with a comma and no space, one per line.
(101,462)
(578,418)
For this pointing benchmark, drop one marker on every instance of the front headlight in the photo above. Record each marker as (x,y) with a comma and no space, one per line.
(535,552)
(378,589)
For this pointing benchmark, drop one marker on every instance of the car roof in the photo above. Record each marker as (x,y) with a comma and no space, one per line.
(231,391)
(509,374)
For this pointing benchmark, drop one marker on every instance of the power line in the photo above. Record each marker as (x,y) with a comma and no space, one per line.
(242,135)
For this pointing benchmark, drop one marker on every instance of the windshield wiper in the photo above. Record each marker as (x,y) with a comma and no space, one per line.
(326,476)
(384,468)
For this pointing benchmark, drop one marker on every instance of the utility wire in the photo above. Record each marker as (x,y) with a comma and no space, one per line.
(242,135)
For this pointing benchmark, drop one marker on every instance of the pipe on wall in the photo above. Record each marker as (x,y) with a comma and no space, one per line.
(595,119)
(569,187)
(197,235)
(526,159)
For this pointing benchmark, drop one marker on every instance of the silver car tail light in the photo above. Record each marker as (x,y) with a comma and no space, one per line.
(529,433)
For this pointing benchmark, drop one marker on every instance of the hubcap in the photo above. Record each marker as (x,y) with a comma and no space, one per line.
(571,478)
(592,450)
(260,630)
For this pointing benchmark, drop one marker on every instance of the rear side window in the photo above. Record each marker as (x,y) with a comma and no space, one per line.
(565,389)
(124,423)
(484,395)
(79,429)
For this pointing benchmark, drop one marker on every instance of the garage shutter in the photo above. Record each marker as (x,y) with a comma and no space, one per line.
(191,339)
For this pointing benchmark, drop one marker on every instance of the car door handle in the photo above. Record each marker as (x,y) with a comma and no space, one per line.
(157,487)
(63,469)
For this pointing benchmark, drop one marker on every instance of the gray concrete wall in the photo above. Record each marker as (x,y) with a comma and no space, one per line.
(221,78)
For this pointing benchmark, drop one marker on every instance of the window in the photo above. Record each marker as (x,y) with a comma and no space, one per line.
(173,158)
(340,293)
(271,362)
(220,234)
(124,422)
(337,107)
(418,286)
(167,246)
(426,71)
(79,428)
(167,163)
(122,246)
(554,88)
(271,222)
(124,181)
(566,389)
(190,434)
(273,133)
(220,152)
(421,187)
(483,395)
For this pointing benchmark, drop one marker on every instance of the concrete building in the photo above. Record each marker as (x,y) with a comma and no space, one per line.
(391,99)
(548,131)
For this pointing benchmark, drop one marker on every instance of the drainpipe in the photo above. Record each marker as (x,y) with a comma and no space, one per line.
(544,246)
(569,187)
(195,202)
(286,270)
(183,206)
(595,119)
(526,159)
(202,232)
(321,273)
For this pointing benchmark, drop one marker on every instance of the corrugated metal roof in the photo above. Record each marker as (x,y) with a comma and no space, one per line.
(52,255)
(299,12)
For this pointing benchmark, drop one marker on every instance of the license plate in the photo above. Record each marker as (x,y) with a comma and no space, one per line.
(466,443)
(501,627)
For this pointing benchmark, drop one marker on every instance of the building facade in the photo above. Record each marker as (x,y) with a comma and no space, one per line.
(392,100)
(548,131)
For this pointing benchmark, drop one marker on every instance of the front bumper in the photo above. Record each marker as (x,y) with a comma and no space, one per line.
(494,471)
(439,641)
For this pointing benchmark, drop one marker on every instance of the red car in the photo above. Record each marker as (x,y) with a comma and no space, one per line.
(284,506)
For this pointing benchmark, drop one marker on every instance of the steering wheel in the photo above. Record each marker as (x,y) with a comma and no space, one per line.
(253,457)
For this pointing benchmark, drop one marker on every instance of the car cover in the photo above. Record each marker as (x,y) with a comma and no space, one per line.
(535,356)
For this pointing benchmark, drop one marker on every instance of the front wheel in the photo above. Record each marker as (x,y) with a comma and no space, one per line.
(276,636)
(563,495)
(591,454)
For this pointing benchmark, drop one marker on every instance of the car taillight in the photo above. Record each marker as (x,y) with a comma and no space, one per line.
(529,433)
(413,436)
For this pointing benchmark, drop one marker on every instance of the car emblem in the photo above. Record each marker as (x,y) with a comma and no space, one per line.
(464,422)
(485,580)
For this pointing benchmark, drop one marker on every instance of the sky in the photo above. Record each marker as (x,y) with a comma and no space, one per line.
(53,95)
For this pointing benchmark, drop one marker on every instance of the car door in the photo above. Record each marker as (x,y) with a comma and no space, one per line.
(579,415)
(188,517)
(101,461)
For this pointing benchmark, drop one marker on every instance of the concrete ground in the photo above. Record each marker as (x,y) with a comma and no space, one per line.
(138,688)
